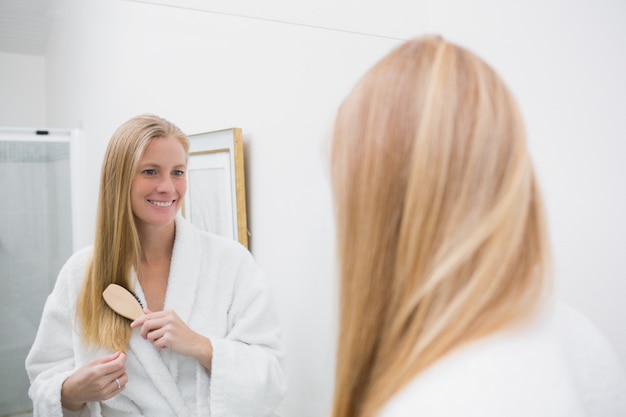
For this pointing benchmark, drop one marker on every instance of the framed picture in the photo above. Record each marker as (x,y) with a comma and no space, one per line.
(216,191)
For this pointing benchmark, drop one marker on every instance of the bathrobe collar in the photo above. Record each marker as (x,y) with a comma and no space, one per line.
(182,282)
(184,271)
(180,296)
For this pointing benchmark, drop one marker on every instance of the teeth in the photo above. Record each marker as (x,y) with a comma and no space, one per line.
(162,203)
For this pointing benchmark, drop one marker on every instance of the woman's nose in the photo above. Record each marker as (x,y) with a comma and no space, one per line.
(165,185)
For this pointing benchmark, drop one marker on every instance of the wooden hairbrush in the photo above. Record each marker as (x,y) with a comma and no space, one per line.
(123,302)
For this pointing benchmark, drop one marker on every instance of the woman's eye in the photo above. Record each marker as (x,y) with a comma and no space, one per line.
(149,171)
(178,173)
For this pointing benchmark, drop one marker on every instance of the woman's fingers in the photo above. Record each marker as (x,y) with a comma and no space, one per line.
(164,329)
(141,320)
(150,325)
(115,378)
(116,386)
(97,380)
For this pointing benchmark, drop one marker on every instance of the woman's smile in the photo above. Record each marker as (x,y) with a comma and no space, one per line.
(161,203)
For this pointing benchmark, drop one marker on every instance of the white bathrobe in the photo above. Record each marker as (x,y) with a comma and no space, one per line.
(217,289)
(558,365)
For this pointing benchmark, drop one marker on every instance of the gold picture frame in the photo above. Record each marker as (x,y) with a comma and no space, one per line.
(216,190)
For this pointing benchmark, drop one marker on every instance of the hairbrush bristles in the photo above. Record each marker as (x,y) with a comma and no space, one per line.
(137,298)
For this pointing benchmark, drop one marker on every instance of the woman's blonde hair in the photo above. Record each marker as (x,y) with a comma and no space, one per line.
(117,248)
(440,224)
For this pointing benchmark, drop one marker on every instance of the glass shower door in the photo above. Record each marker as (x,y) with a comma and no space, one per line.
(35,241)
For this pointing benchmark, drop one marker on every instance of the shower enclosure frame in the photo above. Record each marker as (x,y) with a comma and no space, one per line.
(71,136)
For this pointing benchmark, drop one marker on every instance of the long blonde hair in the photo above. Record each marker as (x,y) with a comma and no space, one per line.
(440,224)
(117,248)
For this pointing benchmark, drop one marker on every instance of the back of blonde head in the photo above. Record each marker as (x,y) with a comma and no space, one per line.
(441,235)
(117,248)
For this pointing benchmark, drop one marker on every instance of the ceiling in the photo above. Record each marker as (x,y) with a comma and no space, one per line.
(24,26)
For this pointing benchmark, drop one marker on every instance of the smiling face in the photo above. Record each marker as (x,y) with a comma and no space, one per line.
(159,184)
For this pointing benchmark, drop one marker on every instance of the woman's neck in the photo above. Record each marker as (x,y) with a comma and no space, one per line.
(157,243)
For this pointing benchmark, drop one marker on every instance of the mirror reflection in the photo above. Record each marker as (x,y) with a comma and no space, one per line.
(280,72)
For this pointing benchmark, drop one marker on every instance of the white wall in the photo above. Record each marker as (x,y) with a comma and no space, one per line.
(279,74)
(566,64)
(22,90)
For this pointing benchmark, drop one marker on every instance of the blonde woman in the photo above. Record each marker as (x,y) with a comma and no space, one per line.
(445,266)
(209,343)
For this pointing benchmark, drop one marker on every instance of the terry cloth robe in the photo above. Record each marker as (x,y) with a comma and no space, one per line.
(558,365)
(218,290)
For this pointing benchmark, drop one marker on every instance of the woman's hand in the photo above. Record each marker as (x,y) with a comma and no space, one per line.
(97,380)
(165,330)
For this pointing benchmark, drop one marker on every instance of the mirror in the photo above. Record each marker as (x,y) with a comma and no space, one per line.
(216,191)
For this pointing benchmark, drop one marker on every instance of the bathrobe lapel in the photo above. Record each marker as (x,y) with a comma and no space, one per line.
(182,284)
(162,366)
(156,368)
